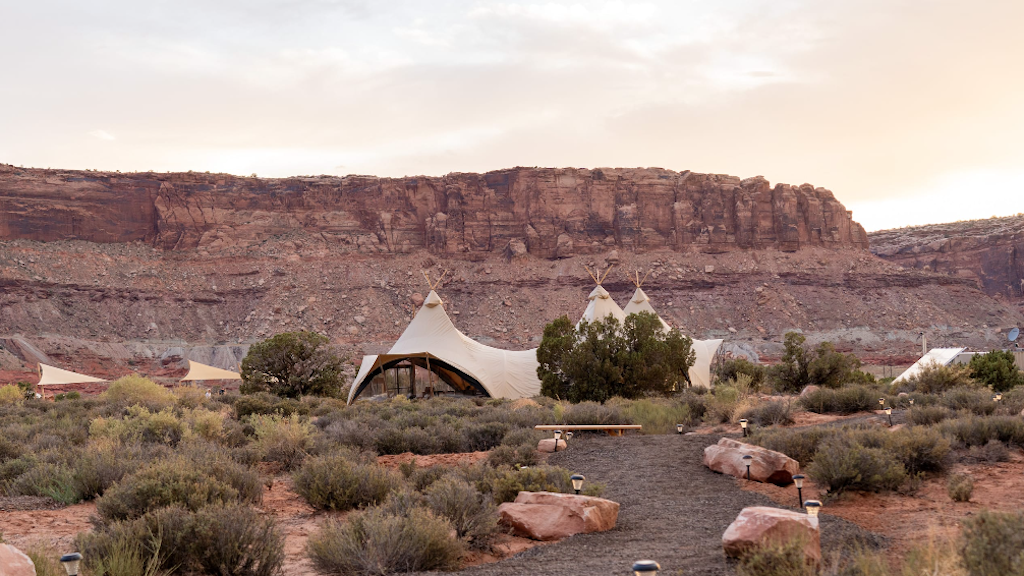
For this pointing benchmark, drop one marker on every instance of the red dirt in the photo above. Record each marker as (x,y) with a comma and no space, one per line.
(392,461)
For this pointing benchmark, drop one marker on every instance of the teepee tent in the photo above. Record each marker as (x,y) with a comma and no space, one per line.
(601,304)
(704,350)
(51,375)
(433,342)
(197,371)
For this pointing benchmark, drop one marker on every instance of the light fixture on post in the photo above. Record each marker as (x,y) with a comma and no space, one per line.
(743,424)
(881,402)
(679,428)
(646,568)
(997,397)
(577,482)
(70,563)
(812,507)
(798,479)
(568,436)
(888,412)
(746,460)
(911,401)
(558,436)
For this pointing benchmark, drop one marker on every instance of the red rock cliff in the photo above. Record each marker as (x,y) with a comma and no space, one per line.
(550,212)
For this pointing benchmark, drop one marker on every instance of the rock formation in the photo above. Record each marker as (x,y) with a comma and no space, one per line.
(551,213)
(759,526)
(553,516)
(765,465)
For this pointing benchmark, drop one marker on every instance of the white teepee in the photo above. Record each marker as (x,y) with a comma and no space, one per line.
(601,304)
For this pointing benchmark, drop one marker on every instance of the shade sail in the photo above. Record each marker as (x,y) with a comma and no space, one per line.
(49,375)
(938,356)
(197,371)
(432,339)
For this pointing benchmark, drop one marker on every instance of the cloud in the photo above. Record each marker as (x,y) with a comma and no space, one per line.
(102,135)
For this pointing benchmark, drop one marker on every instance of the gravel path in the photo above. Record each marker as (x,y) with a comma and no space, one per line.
(674,510)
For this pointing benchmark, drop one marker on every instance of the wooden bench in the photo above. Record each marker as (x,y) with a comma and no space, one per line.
(611,429)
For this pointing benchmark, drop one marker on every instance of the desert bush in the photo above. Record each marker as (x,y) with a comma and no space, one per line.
(284,439)
(927,415)
(136,390)
(11,394)
(721,404)
(840,464)
(512,456)
(189,397)
(846,400)
(993,543)
(960,487)
(769,413)
(267,403)
(993,451)
(920,449)
(936,379)
(421,478)
(358,435)
(45,560)
(777,559)
(734,367)
(974,400)
(472,514)
(518,437)
(377,542)
(799,444)
(657,416)
(102,464)
(141,425)
(585,413)
(980,430)
(334,482)
(292,364)
(505,484)
(485,435)
(235,539)
(997,370)
(54,481)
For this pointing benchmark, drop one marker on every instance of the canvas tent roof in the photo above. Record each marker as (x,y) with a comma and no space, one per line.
(197,371)
(704,350)
(457,359)
(601,306)
(49,375)
(940,356)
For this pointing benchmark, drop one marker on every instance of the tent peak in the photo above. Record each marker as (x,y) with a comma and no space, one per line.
(639,297)
(599,292)
(432,300)
(636,280)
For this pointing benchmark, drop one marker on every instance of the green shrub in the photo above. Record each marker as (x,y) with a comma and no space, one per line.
(235,539)
(45,560)
(721,404)
(11,394)
(777,559)
(927,415)
(485,435)
(920,449)
(993,451)
(997,370)
(734,367)
(377,542)
(284,439)
(134,390)
(840,464)
(333,482)
(994,543)
(847,400)
(472,514)
(980,430)
(960,487)
(798,444)
(974,400)
(936,379)
(585,413)
(519,436)
(292,364)
(523,455)
(266,403)
(770,413)
(141,425)
(657,416)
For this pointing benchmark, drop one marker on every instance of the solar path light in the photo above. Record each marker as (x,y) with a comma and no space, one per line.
(888,412)
(881,402)
(812,507)
(558,436)
(568,436)
(911,401)
(743,424)
(577,482)
(997,397)
(746,460)
(646,568)
(679,428)
(70,563)
(798,479)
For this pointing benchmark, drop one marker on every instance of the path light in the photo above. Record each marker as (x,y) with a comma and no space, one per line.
(558,436)
(812,507)
(679,428)
(799,480)
(888,412)
(743,424)
(881,402)
(646,568)
(997,397)
(746,460)
(70,563)
(568,436)
(577,482)
(911,401)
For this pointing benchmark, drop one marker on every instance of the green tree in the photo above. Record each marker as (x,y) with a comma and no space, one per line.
(996,369)
(292,364)
(599,360)
(824,366)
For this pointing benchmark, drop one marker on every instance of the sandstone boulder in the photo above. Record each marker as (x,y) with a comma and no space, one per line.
(417,299)
(564,246)
(548,445)
(761,525)
(553,516)
(809,390)
(765,465)
(14,562)
(516,249)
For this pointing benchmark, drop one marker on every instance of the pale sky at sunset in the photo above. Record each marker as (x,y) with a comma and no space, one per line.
(910,111)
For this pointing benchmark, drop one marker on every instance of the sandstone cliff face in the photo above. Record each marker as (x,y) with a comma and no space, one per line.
(555,213)
(989,251)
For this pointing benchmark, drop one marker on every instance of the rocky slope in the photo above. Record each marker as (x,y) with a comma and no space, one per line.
(989,251)
(106,273)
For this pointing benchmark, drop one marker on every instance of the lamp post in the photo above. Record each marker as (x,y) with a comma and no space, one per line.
(558,436)
(746,460)
(70,563)
(997,397)
(888,412)
(568,436)
(881,402)
(577,482)
(679,428)
(646,568)
(911,401)
(743,424)
(812,507)
(799,480)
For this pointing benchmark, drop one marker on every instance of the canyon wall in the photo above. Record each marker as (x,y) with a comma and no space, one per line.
(989,251)
(549,213)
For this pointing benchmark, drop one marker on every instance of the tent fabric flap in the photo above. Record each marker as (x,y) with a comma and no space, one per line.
(197,371)
(49,375)
(940,356)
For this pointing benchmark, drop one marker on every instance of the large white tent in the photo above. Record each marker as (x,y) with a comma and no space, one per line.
(432,341)
(704,350)
(935,356)
(197,371)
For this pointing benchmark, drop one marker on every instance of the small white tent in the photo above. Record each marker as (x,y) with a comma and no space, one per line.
(197,371)
(937,356)
(432,341)
(601,306)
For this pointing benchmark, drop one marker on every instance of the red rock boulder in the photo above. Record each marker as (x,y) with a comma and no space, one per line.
(553,516)
(548,445)
(760,525)
(765,465)
(14,562)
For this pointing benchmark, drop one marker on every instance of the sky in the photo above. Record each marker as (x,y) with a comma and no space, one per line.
(910,111)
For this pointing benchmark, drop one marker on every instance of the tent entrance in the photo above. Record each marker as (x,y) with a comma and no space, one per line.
(419,376)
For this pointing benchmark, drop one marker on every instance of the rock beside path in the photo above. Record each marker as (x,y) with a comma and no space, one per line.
(548,445)
(14,562)
(765,465)
(758,526)
(553,516)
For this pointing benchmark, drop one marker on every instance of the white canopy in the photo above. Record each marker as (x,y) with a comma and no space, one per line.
(939,356)
(601,305)
(49,375)
(704,350)
(432,339)
(197,371)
